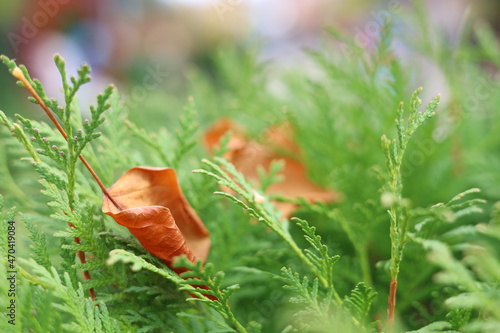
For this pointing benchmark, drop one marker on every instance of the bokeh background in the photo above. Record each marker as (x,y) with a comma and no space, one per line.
(125,40)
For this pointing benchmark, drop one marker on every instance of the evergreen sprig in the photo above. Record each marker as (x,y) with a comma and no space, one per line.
(318,311)
(65,158)
(86,316)
(18,132)
(259,207)
(439,220)
(359,301)
(308,295)
(89,134)
(138,263)
(475,276)
(398,208)
(202,282)
(62,189)
(319,256)
(45,146)
(39,248)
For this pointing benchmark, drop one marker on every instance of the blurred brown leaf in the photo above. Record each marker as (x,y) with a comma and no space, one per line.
(277,144)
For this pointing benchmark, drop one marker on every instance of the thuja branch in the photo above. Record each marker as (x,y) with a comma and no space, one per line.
(76,143)
(398,208)
(197,277)
(18,73)
(226,175)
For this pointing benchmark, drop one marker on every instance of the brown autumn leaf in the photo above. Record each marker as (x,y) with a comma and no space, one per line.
(153,208)
(277,144)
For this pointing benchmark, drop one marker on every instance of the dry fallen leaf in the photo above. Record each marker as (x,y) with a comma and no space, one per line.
(153,208)
(277,144)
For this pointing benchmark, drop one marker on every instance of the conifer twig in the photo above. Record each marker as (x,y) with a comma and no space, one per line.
(18,74)
(398,211)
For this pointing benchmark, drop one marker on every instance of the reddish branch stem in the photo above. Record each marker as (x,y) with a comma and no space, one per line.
(20,76)
(83,260)
(391,308)
(17,73)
